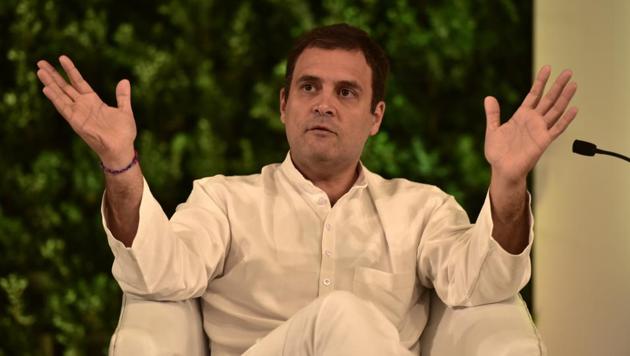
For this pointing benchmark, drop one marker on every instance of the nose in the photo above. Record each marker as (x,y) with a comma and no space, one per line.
(323,106)
(323,110)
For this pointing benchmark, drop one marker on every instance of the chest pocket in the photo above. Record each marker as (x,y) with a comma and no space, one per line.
(392,293)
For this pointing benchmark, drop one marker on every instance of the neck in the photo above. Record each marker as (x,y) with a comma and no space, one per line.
(334,179)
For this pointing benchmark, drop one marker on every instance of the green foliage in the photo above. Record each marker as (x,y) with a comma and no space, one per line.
(205,78)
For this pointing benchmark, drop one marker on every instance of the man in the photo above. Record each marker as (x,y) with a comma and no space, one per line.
(317,255)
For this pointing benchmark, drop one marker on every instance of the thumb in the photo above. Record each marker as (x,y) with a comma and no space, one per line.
(123,95)
(493,113)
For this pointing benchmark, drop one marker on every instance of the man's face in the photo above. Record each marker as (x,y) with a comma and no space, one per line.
(327,114)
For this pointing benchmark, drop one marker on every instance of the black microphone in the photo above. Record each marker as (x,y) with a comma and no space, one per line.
(590,149)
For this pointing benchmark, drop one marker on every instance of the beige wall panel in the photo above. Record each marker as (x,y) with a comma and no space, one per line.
(582,204)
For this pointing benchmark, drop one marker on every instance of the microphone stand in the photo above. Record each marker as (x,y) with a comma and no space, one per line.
(614,154)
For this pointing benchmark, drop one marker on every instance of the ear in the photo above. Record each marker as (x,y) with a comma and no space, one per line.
(283,106)
(377,117)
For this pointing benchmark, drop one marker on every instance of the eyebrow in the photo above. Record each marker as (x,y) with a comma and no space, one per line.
(349,84)
(353,84)
(308,78)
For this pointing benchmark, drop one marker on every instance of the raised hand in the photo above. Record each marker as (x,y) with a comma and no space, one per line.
(513,148)
(109,131)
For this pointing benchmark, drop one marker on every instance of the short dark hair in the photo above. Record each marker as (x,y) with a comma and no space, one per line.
(343,36)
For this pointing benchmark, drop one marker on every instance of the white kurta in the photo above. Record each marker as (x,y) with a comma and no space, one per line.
(259,248)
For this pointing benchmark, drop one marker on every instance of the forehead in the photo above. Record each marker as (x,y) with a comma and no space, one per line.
(333,65)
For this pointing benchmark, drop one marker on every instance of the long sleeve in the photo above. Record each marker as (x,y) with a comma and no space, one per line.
(172,260)
(464,263)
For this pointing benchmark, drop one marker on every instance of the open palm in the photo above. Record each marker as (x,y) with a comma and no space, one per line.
(513,148)
(109,131)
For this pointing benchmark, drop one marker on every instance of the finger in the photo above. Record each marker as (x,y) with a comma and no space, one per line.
(123,95)
(493,113)
(62,83)
(563,123)
(63,105)
(59,94)
(538,87)
(561,104)
(75,76)
(45,78)
(550,98)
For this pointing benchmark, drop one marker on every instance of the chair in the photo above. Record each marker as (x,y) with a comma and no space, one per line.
(175,328)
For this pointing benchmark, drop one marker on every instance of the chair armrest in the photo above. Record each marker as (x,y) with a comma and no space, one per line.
(497,329)
(159,328)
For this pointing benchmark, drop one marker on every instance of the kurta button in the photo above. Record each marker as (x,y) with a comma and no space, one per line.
(326,282)
(328,253)
(328,227)
(321,201)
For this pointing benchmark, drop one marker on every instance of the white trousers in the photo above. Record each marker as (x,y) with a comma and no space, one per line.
(337,324)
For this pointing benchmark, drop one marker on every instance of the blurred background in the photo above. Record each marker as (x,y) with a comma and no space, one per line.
(205,79)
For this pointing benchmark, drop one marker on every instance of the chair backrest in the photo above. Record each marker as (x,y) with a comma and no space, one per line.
(497,329)
(159,328)
(175,328)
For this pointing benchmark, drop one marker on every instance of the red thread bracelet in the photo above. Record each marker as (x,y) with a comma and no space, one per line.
(123,170)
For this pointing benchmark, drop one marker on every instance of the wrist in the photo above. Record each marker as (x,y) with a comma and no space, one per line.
(507,197)
(120,163)
(119,158)
(502,181)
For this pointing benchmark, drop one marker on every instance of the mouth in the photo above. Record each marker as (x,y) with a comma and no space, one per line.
(319,129)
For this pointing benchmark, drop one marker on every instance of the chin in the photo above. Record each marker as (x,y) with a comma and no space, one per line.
(322,156)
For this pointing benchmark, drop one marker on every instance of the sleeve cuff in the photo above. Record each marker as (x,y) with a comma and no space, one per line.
(147,213)
(484,222)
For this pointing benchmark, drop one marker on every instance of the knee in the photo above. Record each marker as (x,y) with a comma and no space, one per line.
(345,305)
(344,318)
(341,299)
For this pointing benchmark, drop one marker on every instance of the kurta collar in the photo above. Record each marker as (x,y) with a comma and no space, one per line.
(296,178)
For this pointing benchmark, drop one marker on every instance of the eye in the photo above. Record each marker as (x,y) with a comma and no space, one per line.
(308,87)
(346,92)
